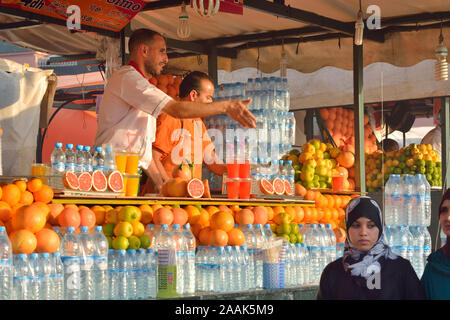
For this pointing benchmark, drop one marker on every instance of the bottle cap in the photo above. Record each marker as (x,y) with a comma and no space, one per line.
(187,226)
(108,149)
(87,148)
(165,226)
(267,225)
(122,252)
(249,226)
(83,228)
(58,145)
(131,251)
(45,255)
(98,228)
(79,147)
(69,146)
(2,229)
(70,229)
(34,255)
(176,226)
(111,251)
(151,226)
(56,254)
(22,256)
(328,225)
(140,250)
(99,149)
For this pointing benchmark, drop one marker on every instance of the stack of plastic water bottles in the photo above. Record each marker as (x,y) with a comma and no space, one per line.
(407,202)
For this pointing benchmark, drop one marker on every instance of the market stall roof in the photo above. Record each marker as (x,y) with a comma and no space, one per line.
(409,33)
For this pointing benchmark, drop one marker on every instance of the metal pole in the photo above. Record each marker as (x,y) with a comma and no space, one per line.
(212,63)
(309,125)
(445,143)
(358,99)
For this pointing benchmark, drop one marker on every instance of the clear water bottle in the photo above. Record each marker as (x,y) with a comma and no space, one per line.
(57,276)
(143,274)
(152,260)
(80,159)
(110,161)
(221,263)
(409,199)
(425,215)
(324,247)
(167,266)
(58,160)
(426,244)
(89,159)
(35,271)
(393,200)
(86,264)
(122,275)
(98,160)
(291,127)
(200,272)
(261,242)
(246,273)
(340,249)
(418,241)
(419,207)
(387,235)
(443,238)
(181,257)
(211,269)
(150,231)
(268,232)
(6,266)
(332,242)
(113,275)
(47,288)
(299,270)
(234,268)
(100,264)
(132,274)
(229,269)
(290,171)
(405,242)
(306,264)
(314,248)
(250,242)
(21,278)
(189,272)
(71,160)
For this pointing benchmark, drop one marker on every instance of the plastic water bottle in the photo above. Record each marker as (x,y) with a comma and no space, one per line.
(167,266)
(181,257)
(132,274)
(235,268)
(306,263)
(260,243)
(424,211)
(98,160)
(35,270)
(419,207)
(189,272)
(58,160)
(387,235)
(21,278)
(89,160)
(212,270)
(268,234)
(332,242)
(112,275)
(57,276)
(299,273)
(250,242)
(340,249)
(47,289)
(443,238)
(247,268)
(409,199)
(80,160)
(71,160)
(290,171)
(418,241)
(405,242)
(6,266)
(152,260)
(122,275)
(200,269)
(220,258)
(291,127)
(86,264)
(314,247)
(150,231)
(100,264)
(393,200)
(143,274)
(426,244)
(110,161)
(324,248)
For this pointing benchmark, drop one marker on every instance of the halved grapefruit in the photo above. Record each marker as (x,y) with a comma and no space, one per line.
(99,182)
(266,187)
(115,181)
(288,188)
(278,186)
(70,181)
(85,180)
(195,188)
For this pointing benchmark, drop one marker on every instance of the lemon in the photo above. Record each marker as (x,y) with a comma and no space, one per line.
(120,243)
(124,229)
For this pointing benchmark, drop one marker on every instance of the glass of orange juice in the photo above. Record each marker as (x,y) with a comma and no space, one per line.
(40,170)
(121,160)
(132,187)
(132,163)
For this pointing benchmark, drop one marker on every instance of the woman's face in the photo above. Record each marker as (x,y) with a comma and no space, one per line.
(363,234)
(444,217)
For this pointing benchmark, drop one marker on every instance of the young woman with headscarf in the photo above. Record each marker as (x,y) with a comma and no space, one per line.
(368,269)
(436,277)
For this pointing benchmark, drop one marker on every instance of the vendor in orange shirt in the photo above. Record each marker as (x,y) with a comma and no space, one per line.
(175,137)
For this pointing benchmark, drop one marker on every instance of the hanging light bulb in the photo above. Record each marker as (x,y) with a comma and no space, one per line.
(441,66)
(183,29)
(213,7)
(359,29)
(283,62)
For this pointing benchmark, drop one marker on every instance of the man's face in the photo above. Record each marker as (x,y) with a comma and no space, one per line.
(205,94)
(156,56)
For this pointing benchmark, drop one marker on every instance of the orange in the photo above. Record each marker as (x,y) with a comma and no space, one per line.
(55,210)
(320,213)
(69,217)
(45,194)
(270,213)
(87,218)
(203,236)
(21,184)
(223,207)
(299,214)
(47,241)
(26,197)
(156,207)
(15,207)
(236,237)
(345,201)
(326,214)
(191,210)
(5,211)
(341,212)
(290,211)
(196,228)
(307,214)
(71,205)
(322,201)
(222,220)
(99,212)
(245,216)
(200,217)
(30,218)
(300,190)
(337,201)
(11,194)
(330,200)
(310,195)
(334,214)
(163,216)
(23,241)
(213,209)
(260,214)
(180,216)
(147,214)
(44,207)
(34,185)
(314,214)
(218,238)
(277,210)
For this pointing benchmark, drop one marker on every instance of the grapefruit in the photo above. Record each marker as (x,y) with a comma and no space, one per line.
(99,182)
(346,159)
(23,241)
(115,181)
(55,210)
(288,188)
(85,180)
(236,237)
(30,218)
(245,216)
(163,216)
(69,217)
(222,220)
(278,186)
(266,187)
(47,241)
(70,181)
(261,215)
(87,217)
(195,188)
(182,171)
(180,216)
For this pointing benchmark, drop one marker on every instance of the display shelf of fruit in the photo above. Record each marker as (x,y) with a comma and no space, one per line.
(413,159)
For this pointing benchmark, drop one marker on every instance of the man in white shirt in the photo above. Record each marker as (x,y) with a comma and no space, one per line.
(131,104)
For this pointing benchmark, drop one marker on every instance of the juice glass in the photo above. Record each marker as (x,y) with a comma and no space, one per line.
(125,182)
(132,163)
(40,170)
(233,170)
(132,187)
(233,188)
(245,186)
(121,160)
(244,170)
(338,181)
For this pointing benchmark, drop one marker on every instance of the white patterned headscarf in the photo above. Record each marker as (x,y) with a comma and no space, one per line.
(366,261)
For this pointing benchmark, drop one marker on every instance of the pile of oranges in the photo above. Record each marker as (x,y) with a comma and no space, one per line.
(24,210)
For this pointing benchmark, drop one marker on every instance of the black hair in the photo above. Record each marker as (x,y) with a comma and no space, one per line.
(141,36)
(193,81)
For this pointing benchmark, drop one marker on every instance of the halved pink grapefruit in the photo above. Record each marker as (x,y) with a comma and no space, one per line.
(99,182)
(195,188)
(278,186)
(85,180)
(70,180)
(288,188)
(266,187)
(115,181)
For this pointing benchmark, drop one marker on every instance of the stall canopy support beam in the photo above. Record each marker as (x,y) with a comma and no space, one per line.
(19,25)
(445,144)
(309,125)
(358,98)
(212,65)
